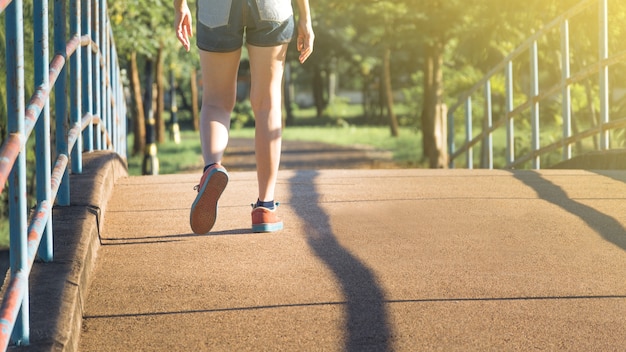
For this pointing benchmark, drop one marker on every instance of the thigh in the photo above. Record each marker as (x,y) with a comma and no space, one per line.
(219,77)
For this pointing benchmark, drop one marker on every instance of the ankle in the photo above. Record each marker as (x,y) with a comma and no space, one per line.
(208,166)
(269,205)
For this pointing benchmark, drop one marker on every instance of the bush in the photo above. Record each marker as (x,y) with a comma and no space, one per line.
(242,115)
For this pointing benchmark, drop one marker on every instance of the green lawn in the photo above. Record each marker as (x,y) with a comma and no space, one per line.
(174,158)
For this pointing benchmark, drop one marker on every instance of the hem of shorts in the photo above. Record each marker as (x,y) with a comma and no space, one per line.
(269,45)
(218,50)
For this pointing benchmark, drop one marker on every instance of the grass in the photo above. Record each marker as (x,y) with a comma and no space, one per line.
(406,148)
(4,234)
(186,156)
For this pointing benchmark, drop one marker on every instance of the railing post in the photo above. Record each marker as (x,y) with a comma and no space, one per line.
(14,27)
(119,106)
(76,108)
(534,95)
(566,92)
(113,79)
(42,128)
(107,51)
(604,74)
(87,76)
(104,69)
(510,123)
(97,62)
(60,32)
(451,145)
(489,124)
(468,132)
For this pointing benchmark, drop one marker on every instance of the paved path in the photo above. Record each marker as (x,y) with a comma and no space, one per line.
(369,260)
(309,155)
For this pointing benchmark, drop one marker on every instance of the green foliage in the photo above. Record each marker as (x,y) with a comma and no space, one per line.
(242,115)
(173,158)
(142,25)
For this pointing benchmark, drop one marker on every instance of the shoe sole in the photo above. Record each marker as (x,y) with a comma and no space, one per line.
(204,208)
(267,227)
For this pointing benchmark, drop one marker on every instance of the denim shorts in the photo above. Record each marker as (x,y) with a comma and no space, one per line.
(222,24)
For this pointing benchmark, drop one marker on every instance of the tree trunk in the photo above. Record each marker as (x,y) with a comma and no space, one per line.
(174,126)
(288,95)
(150,165)
(194,100)
(434,123)
(332,81)
(318,91)
(139,127)
(183,99)
(160,98)
(393,121)
(365,95)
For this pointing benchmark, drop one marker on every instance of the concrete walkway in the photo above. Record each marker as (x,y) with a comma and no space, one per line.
(369,260)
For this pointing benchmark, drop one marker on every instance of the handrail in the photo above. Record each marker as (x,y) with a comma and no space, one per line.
(96,100)
(535,97)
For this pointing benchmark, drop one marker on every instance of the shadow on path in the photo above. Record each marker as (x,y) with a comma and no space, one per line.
(606,226)
(367,325)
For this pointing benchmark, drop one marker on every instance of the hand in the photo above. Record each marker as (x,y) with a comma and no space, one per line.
(182,23)
(305,40)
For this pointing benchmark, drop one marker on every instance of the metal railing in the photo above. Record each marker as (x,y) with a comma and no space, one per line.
(514,108)
(95,121)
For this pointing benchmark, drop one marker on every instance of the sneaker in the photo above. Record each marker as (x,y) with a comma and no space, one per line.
(265,220)
(204,208)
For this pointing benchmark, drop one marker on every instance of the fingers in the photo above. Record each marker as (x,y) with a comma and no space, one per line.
(305,44)
(183,37)
(184,29)
(305,48)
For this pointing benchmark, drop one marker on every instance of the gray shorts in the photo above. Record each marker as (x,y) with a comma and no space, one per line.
(221,24)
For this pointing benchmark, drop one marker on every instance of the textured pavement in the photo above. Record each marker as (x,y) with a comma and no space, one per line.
(369,260)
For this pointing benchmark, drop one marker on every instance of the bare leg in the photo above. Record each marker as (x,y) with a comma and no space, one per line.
(219,84)
(266,67)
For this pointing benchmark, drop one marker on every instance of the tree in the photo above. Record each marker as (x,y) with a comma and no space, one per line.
(144,33)
(451,39)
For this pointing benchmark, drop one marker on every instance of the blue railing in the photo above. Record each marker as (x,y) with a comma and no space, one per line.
(516,107)
(95,121)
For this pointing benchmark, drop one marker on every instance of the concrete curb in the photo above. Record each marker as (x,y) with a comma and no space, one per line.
(58,289)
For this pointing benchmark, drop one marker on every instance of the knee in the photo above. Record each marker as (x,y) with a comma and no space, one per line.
(219,108)
(265,105)
(214,104)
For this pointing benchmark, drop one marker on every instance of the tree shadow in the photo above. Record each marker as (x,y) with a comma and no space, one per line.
(606,226)
(367,323)
(617,175)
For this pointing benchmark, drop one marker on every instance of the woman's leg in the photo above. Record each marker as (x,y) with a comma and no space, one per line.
(266,68)
(219,80)
(219,92)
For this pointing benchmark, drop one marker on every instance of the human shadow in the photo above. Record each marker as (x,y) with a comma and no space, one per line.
(367,321)
(606,226)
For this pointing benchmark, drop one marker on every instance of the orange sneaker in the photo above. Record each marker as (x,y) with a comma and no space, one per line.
(265,220)
(204,208)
